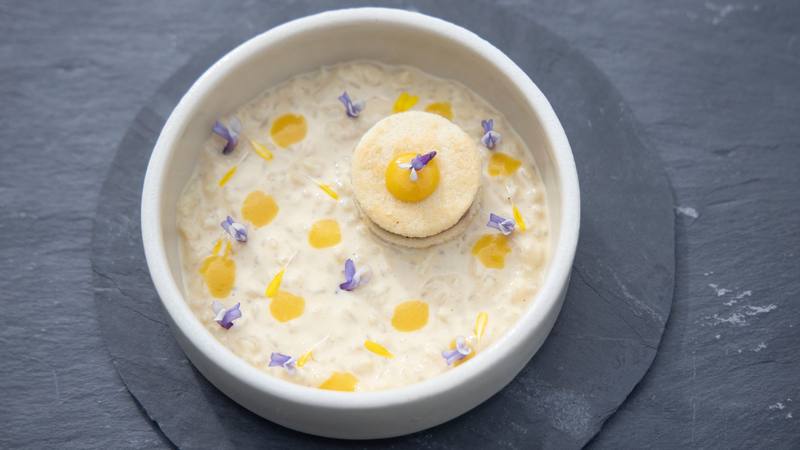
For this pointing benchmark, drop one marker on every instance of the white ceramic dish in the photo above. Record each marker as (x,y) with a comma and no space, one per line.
(395,37)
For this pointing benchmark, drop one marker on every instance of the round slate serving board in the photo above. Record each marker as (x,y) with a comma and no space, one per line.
(601,346)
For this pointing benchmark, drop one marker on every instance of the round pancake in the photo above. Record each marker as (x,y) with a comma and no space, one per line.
(420,132)
(430,241)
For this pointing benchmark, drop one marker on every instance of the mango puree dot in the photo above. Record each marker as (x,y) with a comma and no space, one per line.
(501,164)
(324,233)
(259,208)
(340,381)
(441,108)
(410,316)
(285,306)
(219,271)
(491,250)
(288,129)
(403,188)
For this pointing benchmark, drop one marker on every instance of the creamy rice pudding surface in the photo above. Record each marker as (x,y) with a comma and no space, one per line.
(268,226)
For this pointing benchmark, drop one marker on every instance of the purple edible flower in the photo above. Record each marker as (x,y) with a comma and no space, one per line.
(490,137)
(225,317)
(353,109)
(229,133)
(417,163)
(354,278)
(235,229)
(460,352)
(506,226)
(280,360)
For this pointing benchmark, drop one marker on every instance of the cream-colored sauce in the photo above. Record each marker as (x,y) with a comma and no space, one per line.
(350,334)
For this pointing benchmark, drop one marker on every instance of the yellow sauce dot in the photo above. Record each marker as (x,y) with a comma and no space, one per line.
(302,360)
(259,208)
(228,175)
(274,284)
(403,188)
(518,219)
(378,349)
(410,316)
(219,271)
(464,359)
(285,306)
(480,324)
(324,233)
(502,164)
(441,108)
(340,381)
(289,129)
(261,150)
(404,102)
(491,250)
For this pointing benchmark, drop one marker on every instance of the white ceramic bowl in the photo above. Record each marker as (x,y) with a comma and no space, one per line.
(394,37)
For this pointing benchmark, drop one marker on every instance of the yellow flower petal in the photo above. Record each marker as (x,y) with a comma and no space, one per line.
(326,188)
(225,178)
(518,219)
(261,150)
(275,284)
(303,359)
(217,247)
(404,102)
(480,324)
(378,349)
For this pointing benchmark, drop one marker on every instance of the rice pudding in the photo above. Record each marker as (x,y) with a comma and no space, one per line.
(285,270)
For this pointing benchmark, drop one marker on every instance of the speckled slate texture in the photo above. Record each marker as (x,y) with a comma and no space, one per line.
(713,84)
(603,343)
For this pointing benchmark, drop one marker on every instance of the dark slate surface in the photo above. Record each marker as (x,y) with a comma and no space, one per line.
(602,344)
(713,84)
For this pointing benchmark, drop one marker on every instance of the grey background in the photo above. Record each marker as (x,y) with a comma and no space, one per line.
(602,344)
(715,87)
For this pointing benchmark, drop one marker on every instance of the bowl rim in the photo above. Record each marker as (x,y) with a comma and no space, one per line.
(536,316)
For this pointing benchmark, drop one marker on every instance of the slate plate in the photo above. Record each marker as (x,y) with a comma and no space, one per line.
(602,344)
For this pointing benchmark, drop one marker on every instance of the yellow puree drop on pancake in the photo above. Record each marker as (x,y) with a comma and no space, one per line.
(400,185)
(502,164)
(289,129)
(441,108)
(219,271)
(410,316)
(324,233)
(259,208)
(491,250)
(340,381)
(378,349)
(404,102)
(285,306)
